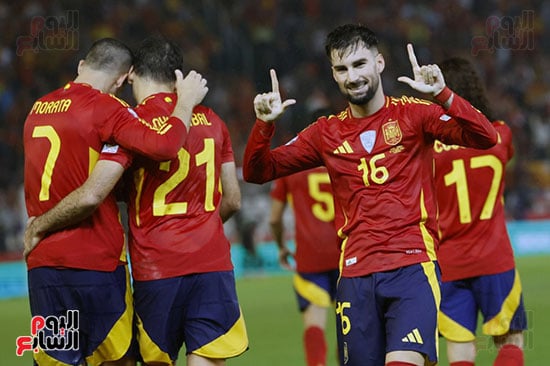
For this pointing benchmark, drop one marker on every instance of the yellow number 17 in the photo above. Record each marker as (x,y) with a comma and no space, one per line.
(457,176)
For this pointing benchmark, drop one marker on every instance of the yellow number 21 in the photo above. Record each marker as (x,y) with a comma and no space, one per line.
(205,157)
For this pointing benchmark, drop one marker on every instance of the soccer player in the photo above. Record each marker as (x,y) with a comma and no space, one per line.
(475,254)
(81,268)
(317,251)
(184,285)
(378,153)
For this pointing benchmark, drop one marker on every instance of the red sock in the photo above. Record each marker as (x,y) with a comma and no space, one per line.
(400,363)
(315,346)
(462,363)
(509,355)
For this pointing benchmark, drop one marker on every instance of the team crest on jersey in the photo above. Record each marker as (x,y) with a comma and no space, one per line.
(368,138)
(392,133)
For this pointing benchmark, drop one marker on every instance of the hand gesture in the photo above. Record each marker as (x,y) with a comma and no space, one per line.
(192,89)
(427,79)
(284,255)
(269,106)
(32,238)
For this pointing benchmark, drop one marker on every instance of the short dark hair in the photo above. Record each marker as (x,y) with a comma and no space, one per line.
(110,55)
(461,76)
(348,36)
(157,58)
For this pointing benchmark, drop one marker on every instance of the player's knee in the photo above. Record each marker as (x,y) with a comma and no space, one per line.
(512,337)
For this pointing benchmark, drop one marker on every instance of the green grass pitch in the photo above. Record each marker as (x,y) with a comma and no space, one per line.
(274,324)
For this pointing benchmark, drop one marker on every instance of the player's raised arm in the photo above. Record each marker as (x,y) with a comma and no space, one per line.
(269,106)
(427,78)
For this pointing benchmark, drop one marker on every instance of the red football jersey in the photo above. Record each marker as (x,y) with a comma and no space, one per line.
(470,184)
(62,143)
(175,226)
(310,194)
(381,171)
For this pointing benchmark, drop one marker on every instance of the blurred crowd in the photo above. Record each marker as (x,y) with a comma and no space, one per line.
(235,42)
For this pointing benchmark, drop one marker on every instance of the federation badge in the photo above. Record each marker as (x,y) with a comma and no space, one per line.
(368,138)
(392,133)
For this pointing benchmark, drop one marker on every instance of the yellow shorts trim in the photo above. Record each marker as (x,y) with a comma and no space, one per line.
(500,323)
(311,292)
(117,342)
(231,344)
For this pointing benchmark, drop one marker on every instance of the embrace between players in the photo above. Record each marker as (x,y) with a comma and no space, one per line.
(179,182)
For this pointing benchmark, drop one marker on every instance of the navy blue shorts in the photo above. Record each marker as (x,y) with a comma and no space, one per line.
(103,304)
(498,297)
(315,288)
(200,310)
(388,311)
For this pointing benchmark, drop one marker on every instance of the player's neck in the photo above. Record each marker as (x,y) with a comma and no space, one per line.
(372,106)
(96,80)
(145,88)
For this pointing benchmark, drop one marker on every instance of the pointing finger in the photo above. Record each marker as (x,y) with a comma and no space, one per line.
(274,81)
(412,56)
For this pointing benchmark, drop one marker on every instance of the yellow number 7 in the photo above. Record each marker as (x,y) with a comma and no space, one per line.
(55,146)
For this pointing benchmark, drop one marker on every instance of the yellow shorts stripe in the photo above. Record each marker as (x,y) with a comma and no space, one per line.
(117,342)
(500,323)
(148,349)
(452,330)
(230,344)
(431,275)
(311,292)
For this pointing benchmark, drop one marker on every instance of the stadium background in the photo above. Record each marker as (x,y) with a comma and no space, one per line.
(233,43)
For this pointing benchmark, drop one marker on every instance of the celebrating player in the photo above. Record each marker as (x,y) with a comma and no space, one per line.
(81,268)
(317,251)
(378,153)
(184,285)
(475,253)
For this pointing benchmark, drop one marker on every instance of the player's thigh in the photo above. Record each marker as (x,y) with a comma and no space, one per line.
(200,310)
(359,322)
(500,300)
(411,298)
(101,303)
(458,311)
(317,288)
(214,324)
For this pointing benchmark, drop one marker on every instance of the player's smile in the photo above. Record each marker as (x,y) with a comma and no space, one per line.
(358,87)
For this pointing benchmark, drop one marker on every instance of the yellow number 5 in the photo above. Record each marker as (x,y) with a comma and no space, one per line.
(323,209)
(49,133)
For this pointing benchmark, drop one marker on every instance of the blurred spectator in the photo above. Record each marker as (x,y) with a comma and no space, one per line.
(233,43)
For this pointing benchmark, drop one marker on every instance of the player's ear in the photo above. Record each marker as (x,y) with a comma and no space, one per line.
(380,63)
(80,67)
(121,79)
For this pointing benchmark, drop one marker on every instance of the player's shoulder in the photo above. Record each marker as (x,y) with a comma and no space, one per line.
(201,108)
(503,130)
(111,98)
(157,105)
(205,116)
(500,124)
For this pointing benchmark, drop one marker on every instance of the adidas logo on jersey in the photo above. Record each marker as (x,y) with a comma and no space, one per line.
(345,148)
(413,337)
